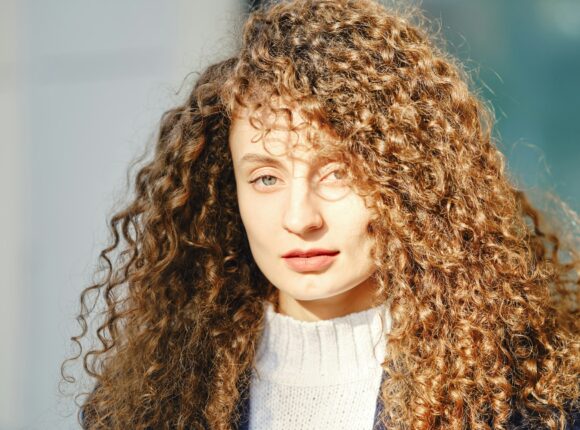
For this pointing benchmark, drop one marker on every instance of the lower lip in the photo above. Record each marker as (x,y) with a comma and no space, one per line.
(310,264)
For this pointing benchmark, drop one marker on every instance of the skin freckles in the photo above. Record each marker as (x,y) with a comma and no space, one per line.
(291,201)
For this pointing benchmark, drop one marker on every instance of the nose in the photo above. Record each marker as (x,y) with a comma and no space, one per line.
(302,213)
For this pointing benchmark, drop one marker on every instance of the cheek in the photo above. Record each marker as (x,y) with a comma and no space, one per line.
(354,217)
(256,216)
(248,215)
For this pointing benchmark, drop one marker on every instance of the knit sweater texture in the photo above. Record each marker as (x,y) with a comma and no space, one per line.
(318,374)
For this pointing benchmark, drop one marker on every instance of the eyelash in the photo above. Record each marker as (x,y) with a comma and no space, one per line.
(273,176)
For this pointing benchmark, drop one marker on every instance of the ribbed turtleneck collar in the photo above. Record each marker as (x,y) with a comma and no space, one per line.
(345,348)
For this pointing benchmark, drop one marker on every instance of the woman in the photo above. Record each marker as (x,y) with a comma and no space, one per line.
(326,238)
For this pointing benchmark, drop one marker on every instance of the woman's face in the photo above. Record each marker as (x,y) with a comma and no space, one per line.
(289,201)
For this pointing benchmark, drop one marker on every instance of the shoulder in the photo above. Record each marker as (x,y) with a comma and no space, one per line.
(86,411)
(518,422)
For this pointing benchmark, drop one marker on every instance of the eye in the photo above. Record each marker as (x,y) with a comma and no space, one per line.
(334,185)
(340,173)
(337,174)
(259,178)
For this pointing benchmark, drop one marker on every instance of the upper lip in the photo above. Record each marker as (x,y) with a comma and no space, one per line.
(310,252)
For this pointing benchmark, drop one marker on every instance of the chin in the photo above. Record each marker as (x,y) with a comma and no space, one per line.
(315,295)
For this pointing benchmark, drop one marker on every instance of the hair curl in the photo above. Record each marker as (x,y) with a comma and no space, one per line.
(484,308)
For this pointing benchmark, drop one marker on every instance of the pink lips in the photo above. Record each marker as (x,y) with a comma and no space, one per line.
(311,260)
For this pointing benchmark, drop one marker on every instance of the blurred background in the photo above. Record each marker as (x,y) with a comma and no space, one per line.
(83,85)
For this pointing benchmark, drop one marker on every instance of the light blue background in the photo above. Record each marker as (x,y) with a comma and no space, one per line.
(524,56)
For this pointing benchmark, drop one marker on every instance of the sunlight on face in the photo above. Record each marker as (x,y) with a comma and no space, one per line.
(290,201)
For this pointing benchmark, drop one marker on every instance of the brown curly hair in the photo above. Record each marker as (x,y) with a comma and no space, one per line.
(483,302)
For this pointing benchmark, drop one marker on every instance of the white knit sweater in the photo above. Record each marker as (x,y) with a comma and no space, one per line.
(318,374)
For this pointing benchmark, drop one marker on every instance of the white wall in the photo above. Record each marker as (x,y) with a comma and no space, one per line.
(82,87)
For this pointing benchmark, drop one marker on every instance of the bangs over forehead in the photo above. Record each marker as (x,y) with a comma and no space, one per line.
(284,125)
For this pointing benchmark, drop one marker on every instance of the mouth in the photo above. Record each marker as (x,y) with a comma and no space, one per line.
(310,261)
(298,253)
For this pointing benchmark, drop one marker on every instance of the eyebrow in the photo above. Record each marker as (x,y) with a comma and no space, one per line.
(259,158)
(262,159)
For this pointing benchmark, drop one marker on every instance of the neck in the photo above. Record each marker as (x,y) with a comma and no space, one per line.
(356,299)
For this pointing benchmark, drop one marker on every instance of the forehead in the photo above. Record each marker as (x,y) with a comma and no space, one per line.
(284,133)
